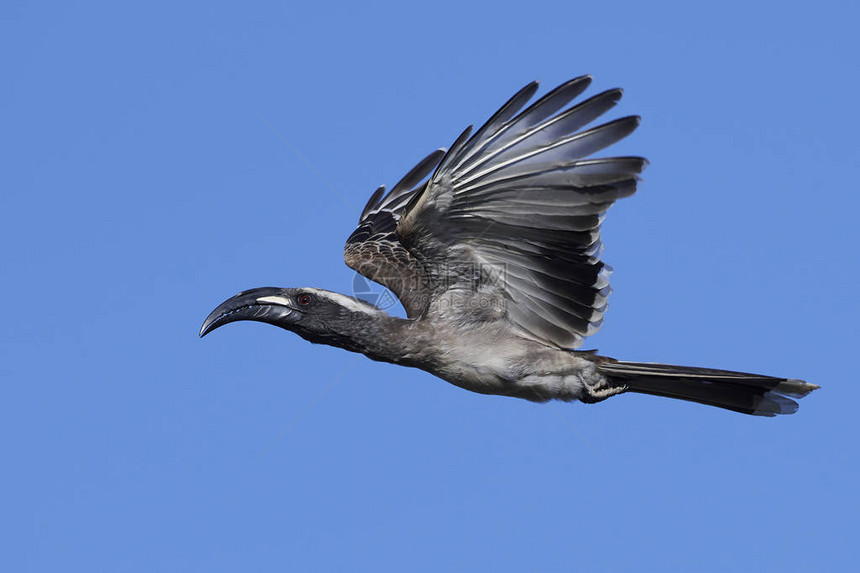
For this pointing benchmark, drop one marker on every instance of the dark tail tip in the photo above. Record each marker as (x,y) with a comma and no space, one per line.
(737,391)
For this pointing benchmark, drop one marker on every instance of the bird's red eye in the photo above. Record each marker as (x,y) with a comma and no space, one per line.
(304,299)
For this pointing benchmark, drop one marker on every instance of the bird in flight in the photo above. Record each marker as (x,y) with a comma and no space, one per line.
(493,247)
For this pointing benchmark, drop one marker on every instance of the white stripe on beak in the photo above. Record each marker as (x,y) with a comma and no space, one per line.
(274,299)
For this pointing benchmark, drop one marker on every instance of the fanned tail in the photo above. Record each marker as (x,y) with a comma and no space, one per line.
(747,393)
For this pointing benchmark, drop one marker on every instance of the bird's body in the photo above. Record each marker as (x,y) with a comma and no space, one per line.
(496,258)
(486,357)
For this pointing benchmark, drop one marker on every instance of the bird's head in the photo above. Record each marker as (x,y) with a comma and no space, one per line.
(314,314)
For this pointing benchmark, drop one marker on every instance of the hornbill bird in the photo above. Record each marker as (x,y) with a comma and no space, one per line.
(493,247)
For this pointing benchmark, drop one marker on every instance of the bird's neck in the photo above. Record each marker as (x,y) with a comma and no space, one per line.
(378,336)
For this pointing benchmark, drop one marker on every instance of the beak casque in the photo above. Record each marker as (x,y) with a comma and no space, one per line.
(264,304)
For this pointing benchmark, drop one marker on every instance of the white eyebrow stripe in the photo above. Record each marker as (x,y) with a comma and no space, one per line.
(345,301)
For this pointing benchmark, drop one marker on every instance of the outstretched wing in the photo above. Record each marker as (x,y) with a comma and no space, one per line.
(520,197)
(374,250)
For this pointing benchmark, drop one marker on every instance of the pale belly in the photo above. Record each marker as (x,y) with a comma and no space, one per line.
(516,367)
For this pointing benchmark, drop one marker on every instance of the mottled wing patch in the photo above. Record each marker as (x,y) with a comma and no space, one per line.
(374,249)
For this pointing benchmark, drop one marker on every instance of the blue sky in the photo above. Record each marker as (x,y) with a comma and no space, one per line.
(143,182)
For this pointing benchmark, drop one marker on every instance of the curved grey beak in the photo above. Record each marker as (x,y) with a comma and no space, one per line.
(264,304)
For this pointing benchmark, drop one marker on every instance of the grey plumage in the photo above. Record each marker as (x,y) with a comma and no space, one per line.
(494,247)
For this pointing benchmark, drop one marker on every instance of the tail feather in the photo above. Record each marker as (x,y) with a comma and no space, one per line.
(747,393)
